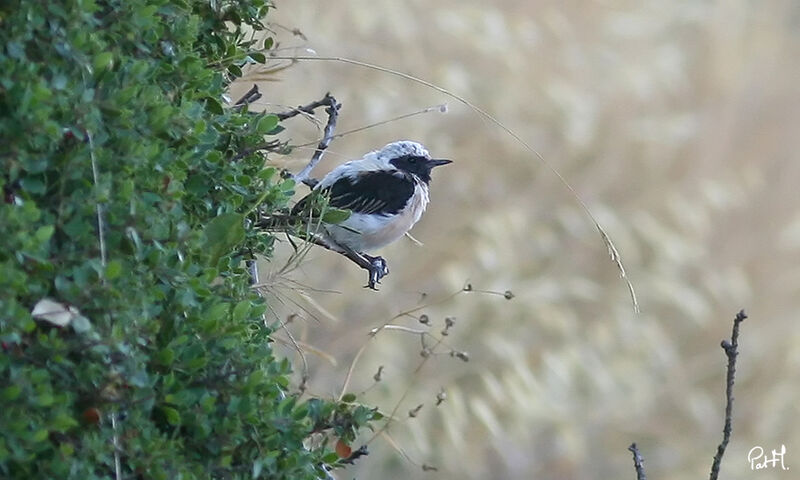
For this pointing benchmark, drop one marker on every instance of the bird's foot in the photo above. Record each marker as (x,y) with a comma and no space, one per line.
(378,268)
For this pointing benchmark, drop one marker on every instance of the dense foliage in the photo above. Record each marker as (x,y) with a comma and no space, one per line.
(124,211)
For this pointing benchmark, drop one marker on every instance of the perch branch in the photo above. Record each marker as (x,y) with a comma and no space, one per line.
(360,259)
(731,351)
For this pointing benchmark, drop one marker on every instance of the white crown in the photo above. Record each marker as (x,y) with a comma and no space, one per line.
(399,149)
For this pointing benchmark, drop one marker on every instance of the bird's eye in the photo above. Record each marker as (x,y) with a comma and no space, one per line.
(412,160)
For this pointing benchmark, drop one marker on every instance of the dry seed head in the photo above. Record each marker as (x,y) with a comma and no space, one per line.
(463,356)
(441,397)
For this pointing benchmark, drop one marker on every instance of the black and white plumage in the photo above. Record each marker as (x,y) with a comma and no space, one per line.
(386,191)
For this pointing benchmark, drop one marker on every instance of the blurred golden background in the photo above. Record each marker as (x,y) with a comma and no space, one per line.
(676,122)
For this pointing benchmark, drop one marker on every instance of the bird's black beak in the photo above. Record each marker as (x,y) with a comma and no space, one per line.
(435,162)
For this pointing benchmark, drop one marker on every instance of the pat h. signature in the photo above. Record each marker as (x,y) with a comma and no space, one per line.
(758,460)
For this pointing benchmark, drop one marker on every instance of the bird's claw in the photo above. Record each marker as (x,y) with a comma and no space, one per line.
(377,270)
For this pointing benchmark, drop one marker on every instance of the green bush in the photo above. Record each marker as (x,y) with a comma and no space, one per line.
(122,205)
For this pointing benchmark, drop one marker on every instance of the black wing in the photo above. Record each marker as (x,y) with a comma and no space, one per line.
(369,192)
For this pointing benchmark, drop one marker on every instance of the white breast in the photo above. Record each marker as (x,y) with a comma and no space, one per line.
(365,233)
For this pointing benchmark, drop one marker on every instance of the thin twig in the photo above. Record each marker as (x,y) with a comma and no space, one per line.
(272,146)
(99,207)
(333,115)
(304,378)
(442,108)
(731,351)
(638,462)
(325,101)
(115,443)
(375,331)
(251,96)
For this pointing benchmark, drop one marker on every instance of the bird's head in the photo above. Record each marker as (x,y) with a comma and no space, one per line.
(410,157)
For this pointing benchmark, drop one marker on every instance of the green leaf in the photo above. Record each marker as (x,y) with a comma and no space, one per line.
(213,106)
(287,185)
(40,436)
(45,400)
(349,397)
(267,124)
(32,185)
(81,324)
(172,415)
(44,233)
(113,269)
(218,311)
(10,393)
(335,215)
(165,356)
(258,57)
(223,233)
(241,310)
(103,61)
(267,173)
(63,423)
(235,70)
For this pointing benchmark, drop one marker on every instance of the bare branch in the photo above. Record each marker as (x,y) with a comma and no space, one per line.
(638,462)
(251,96)
(327,135)
(275,145)
(731,351)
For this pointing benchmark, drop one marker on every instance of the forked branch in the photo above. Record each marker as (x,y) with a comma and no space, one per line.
(731,349)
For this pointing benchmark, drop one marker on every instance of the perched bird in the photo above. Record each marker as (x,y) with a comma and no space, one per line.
(386,192)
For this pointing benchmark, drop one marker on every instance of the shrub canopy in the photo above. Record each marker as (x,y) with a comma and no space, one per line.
(123,211)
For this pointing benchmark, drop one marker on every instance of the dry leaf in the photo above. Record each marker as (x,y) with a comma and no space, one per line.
(54,313)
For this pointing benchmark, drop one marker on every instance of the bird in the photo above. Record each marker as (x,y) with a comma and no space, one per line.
(386,192)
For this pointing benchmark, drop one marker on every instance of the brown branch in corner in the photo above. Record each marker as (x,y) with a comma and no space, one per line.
(731,351)
(638,462)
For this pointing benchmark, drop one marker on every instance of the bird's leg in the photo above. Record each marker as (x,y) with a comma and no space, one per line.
(378,268)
